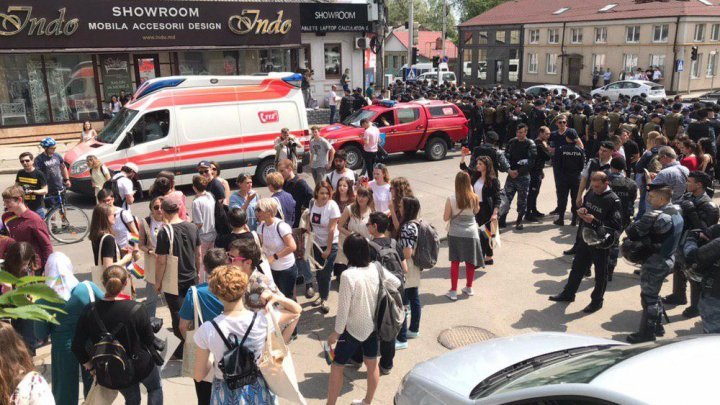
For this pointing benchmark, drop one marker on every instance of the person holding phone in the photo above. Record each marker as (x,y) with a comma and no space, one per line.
(245,199)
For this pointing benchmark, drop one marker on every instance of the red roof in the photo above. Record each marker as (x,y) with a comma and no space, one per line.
(426,43)
(541,11)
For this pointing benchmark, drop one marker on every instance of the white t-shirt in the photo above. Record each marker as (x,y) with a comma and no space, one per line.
(273,243)
(207,337)
(371,137)
(203,212)
(320,219)
(331,98)
(478,188)
(120,230)
(125,186)
(381,196)
(333,177)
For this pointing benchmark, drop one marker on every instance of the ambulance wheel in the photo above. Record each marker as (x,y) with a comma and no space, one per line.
(265,167)
(354,157)
(436,148)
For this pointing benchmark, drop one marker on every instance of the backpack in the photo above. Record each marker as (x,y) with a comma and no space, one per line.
(390,311)
(113,365)
(390,259)
(112,185)
(238,362)
(427,247)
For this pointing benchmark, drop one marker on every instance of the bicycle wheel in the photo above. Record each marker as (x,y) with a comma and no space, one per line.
(72,227)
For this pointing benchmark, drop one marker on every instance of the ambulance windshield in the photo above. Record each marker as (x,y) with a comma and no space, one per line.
(117,126)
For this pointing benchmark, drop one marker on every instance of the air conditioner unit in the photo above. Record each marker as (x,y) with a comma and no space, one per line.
(362,43)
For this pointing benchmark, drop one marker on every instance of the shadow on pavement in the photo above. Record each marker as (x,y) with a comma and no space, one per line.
(553,318)
(314,385)
(554,267)
(625,321)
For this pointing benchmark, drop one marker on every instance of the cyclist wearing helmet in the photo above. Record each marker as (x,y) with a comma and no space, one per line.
(52,166)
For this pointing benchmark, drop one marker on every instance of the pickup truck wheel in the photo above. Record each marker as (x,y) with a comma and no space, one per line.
(265,167)
(436,149)
(354,157)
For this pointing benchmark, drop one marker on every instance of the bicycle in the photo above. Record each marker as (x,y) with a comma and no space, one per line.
(65,222)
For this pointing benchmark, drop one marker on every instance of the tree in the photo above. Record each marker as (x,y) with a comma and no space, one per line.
(22,301)
(426,12)
(472,8)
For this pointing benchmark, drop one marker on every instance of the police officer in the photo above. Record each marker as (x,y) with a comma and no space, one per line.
(537,174)
(537,118)
(600,215)
(558,139)
(570,162)
(490,150)
(661,228)
(627,191)
(516,118)
(698,212)
(673,125)
(520,153)
(704,258)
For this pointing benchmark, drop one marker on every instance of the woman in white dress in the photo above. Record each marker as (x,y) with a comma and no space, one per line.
(380,188)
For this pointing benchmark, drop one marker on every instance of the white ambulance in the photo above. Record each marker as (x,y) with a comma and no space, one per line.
(172,123)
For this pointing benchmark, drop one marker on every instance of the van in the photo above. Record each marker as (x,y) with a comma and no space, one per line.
(433,76)
(172,123)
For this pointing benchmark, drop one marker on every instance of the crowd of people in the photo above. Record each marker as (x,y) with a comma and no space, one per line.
(230,264)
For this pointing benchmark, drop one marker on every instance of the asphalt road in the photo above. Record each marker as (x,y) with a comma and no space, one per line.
(511,297)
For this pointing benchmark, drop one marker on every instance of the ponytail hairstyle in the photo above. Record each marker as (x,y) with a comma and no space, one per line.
(114,278)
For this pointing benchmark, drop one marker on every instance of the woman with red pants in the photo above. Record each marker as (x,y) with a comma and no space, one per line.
(463,236)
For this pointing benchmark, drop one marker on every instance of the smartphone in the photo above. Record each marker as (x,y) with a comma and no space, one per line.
(465,150)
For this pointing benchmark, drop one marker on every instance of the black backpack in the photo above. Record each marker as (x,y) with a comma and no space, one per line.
(111,185)
(113,364)
(238,363)
(390,259)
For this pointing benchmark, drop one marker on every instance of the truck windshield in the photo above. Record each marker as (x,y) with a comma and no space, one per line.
(355,118)
(117,126)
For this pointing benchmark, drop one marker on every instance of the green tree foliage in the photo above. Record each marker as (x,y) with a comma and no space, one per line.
(472,8)
(22,301)
(426,12)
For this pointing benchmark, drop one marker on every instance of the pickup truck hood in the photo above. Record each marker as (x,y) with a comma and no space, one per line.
(462,369)
(336,131)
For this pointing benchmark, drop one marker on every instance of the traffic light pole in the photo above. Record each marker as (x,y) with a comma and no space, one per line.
(411,31)
(444,29)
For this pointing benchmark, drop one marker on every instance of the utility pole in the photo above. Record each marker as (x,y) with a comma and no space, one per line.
(444,29)
(411,30)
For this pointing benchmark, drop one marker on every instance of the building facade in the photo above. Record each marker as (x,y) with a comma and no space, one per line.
(491,55)
(564,44)
(61,63)
(396,50)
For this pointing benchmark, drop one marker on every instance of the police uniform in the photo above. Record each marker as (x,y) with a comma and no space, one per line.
(706,261)
(606,208)
(662,230)
(627,191)
(570,162)
(698,212)
(536,177)
(673,125)
(537,119)
(521,157)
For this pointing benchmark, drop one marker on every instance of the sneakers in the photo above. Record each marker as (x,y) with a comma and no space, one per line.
(452,295)
(412,335)
(401,345)
(559,222)
(468,291)
(309,291)
(385,371)
(359,402)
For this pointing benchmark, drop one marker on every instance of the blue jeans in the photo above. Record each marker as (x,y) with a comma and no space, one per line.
(332,114)
(304,271)
(285,280)
(325,274)
(154,388)
(402,335)
(413,297)
(42,212)
(52,201)
(151,299)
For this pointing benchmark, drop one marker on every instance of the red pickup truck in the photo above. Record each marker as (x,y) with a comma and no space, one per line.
(432,126)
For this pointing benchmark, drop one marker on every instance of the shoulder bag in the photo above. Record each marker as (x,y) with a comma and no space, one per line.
(276,364)
(98,269)
(189,349)
(149,258)
(170,278)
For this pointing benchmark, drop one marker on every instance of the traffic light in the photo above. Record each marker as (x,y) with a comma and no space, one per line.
(416,32)
(436,61)
(694,53)
(414,56)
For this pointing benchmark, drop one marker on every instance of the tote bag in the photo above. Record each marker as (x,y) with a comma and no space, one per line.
(149,258)
(98,269)
(170,278)
(276,364)
(189,348)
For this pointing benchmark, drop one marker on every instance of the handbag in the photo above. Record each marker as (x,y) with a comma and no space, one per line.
(189,347)
(170,278)
(276,364)
(98,269)
(149,258)
(99,395)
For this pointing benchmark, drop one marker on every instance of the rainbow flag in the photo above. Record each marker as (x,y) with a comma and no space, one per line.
(486,230)
(136,270)
(134,239)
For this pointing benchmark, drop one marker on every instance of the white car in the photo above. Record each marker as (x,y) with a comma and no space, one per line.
(564,369)
(632,88)
(433,76)
(548,88)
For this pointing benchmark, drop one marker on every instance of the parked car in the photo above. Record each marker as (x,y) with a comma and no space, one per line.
(564,369)
(172,123)
(711,97)
(444,76)
(432,126)
(548,88)
(633,89)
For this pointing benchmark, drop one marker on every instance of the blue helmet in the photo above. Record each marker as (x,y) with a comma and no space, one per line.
(47,143)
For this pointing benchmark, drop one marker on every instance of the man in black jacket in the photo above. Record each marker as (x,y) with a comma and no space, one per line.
(537,173)
(520,153)
(627,191)
(601,212)
(704,257)
(358,100)
(346,105)
(570,163)
(489,149)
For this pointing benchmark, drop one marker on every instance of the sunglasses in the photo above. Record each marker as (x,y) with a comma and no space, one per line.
(203,171)
(156,208)
(25,161)
(234,259)
(562,122)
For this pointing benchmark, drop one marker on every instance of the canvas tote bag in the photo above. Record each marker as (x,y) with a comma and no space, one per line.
(276,364)
(188,364)
(170,278)
(98,269)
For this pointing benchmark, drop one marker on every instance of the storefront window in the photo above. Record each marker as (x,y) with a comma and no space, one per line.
(71,82)
(333,61)
(275,60)
(23,99)
(208,63)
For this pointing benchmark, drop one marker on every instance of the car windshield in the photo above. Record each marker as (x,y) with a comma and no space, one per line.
(579,370)
(355,118)
(117,126)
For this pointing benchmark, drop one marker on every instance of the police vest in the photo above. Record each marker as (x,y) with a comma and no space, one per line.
(578,123)
(668,241)
(614,121)
(672,123)
(500,114)
(599,124)
(489,113)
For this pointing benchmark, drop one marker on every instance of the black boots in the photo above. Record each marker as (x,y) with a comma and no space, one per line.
(646,332)
(562,297)
(502,221)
